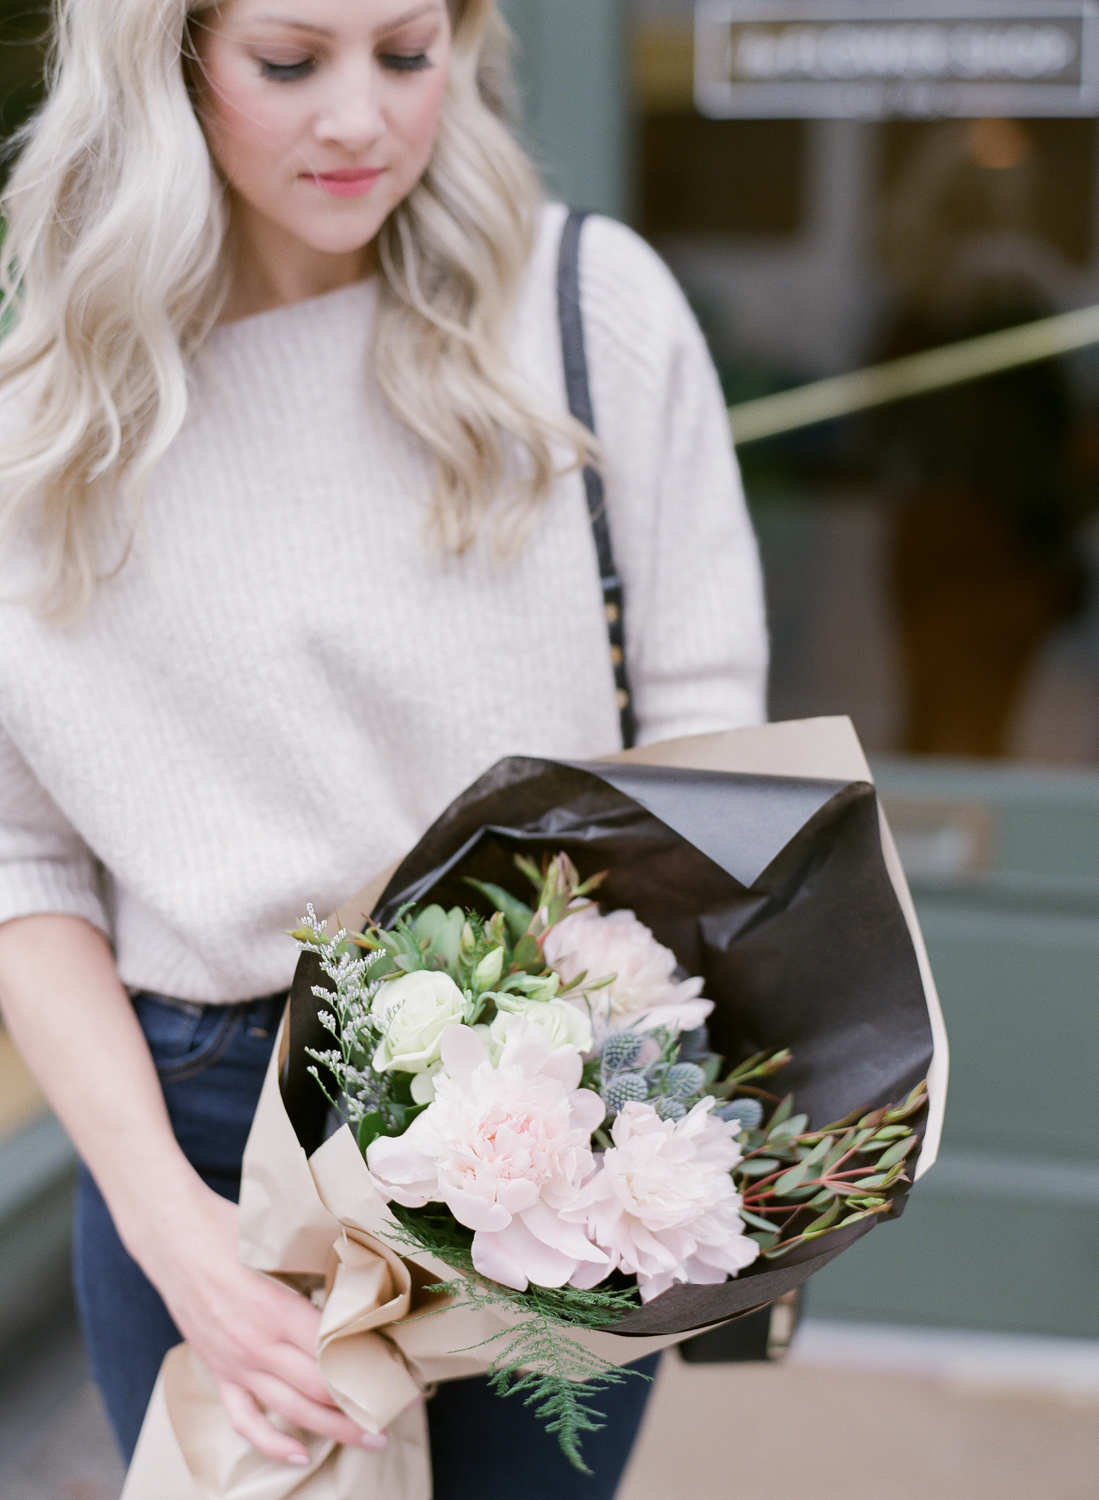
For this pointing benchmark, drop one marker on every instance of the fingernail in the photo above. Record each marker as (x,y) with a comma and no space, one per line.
(373,1440)
(299,1460)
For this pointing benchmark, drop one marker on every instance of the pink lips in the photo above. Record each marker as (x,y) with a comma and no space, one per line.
(346,182)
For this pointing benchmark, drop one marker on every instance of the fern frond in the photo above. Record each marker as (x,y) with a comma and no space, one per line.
(555,1374)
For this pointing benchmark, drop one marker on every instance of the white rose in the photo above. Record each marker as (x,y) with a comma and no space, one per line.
(412,1013)
(565,1025)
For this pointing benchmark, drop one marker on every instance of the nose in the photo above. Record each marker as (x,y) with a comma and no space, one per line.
(352,112)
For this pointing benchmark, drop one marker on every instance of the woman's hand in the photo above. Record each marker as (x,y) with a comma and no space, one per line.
(76,1028)
(258,1339)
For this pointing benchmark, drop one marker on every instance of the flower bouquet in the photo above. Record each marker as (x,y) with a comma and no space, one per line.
(537,1103)
(620,1051)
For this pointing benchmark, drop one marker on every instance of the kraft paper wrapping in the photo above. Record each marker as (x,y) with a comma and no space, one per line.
(317,1223)
(382,1340)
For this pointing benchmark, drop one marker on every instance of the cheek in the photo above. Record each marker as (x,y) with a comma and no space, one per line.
(414,119)
(249,128)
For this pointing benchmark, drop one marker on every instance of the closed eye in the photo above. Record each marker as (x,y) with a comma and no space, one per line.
(404,62)
(287,72)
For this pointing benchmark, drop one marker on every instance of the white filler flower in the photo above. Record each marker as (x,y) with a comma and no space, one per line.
(412,1014)
(645,992)
(664,1206)
(506,1149)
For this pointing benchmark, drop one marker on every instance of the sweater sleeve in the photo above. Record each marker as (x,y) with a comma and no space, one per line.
(45,867)
(696,638)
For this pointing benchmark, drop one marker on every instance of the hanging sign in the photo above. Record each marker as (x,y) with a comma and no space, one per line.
(791,59)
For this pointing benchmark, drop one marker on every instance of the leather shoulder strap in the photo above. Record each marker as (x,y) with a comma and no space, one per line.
(578,390)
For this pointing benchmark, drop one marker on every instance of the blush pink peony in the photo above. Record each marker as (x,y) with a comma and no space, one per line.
(644,993)
(663,1206)
(507,1149)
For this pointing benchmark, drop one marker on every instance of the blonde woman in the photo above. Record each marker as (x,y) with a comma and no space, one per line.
(294,546)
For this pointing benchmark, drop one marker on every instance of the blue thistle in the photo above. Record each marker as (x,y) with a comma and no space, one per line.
(623,1089)
(621,1051)
(684,1079)
(747,1112)
(670,1109)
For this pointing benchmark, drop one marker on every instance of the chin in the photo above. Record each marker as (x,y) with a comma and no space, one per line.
(341,244)
(340,234)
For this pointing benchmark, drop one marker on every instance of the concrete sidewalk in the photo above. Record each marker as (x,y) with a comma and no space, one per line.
(838,1423)
(856,1414)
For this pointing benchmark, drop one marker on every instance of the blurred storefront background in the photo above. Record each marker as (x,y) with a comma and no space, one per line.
(932,566)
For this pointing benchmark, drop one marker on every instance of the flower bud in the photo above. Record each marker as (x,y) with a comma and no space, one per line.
(488,971)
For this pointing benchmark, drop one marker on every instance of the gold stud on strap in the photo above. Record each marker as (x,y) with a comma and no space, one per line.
(612,614)
(623,698)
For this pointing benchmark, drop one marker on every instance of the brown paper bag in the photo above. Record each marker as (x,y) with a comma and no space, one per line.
(318,1221)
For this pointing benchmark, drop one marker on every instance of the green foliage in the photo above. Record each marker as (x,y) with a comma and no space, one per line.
(556,1375)
(798,1185)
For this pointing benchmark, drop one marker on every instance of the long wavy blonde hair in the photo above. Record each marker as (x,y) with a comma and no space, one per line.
(114,270)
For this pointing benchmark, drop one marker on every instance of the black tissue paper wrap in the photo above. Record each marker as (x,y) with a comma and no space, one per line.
(773,888)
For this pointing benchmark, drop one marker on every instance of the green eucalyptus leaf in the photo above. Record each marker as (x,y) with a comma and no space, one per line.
(527,955)
(836,1154)
(530,870)
(792,1126)
(743,1069)
(819,1151)
(790,1181)
(401,1117)
(825,1219)
(758,1166)
(916,1101)
(711,1068)
(784,1111)
(896,1153)
(517,914)
(371,1126)
(751,1218)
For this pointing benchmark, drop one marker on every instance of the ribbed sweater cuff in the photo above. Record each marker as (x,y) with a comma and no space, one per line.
(40,887)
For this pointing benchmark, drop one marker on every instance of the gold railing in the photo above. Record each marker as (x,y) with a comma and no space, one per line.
(914,375)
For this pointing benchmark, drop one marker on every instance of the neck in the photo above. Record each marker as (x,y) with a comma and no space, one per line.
(272,268)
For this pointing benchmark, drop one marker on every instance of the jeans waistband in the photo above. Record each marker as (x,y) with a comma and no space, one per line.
(265,1011)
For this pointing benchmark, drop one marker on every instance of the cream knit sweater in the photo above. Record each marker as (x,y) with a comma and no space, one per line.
(284,684)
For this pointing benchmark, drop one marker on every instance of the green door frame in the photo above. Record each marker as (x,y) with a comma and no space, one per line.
(573,77)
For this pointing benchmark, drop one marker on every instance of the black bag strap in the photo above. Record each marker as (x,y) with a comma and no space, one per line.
(578,390)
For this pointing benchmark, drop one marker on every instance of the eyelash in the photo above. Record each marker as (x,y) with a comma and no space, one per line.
(286,72)
(396,62)
(401,62)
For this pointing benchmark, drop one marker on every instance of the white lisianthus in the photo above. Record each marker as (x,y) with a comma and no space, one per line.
(507,1149)
(412,1013)
(564,1025)
(663,1206)
(644,993)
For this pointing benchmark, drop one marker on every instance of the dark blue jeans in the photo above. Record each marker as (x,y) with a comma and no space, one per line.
(211,1061)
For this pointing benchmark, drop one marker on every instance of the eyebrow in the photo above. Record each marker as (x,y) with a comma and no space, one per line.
(314,30)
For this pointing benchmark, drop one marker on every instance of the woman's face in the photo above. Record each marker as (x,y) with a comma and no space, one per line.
(322,114)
